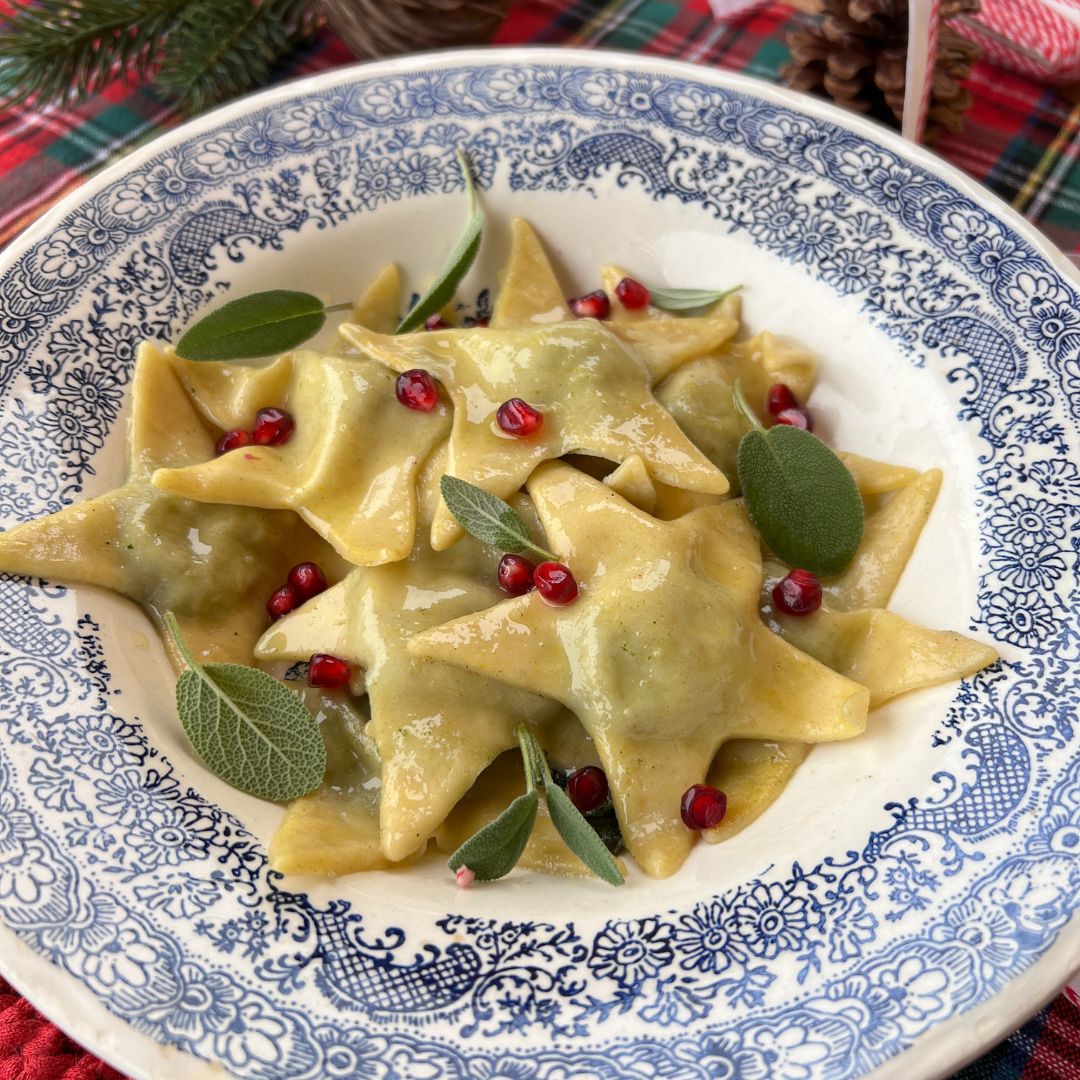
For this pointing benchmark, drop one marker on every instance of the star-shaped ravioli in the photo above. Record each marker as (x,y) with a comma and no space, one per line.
(229,394)
(663,656)
(666,342)
(350,468)
(877,648)
(530,295)
(890,532)
(594,392)
(872,646)
(529,292)
(435,726)
(700,394)
(852,632)
(213,566)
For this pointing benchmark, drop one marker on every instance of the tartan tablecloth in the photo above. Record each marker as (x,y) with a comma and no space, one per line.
(1021,139)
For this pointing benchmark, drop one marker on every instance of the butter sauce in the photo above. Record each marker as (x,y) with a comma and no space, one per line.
(664,656)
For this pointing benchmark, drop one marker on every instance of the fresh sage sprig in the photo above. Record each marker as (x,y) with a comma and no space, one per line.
(461,259)
(265,323)
(247,727)
(687,299)
(488,518)
(494,850)
(259,324)
(800,495)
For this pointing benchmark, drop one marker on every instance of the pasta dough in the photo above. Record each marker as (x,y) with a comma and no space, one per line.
(670,669)
(594,393)
(213,566)
(661,598)
(434,726)
(350,471)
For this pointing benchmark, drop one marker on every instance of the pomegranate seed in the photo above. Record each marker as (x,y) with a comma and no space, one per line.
(594,305)
(515,574)
(464,877)
(632,294)
(587,788)
(286,599)
(519,418)
(416,390)
(703,807)
(435,322)
(232,440)
(780,397)
(798,418)
(273,427)
(307,579)
(799,593)
(328,672)
(555,583)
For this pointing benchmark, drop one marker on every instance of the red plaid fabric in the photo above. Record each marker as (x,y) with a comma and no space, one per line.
(1021,139)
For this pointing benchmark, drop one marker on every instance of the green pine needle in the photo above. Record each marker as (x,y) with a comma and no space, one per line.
(55,51)
(224,47)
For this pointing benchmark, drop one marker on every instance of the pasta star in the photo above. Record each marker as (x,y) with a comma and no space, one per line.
(213,566)
(529,292)
(877,648)
(530,295)
(880,649)
(436,727)
(852,632)
(667,342)
(663,656)
(350,469)
(229,394)
(594,393)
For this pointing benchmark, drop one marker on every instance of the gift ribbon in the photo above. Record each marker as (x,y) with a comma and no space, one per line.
(1039,38)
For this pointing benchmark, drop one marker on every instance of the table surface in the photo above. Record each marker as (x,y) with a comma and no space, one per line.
(1020,138)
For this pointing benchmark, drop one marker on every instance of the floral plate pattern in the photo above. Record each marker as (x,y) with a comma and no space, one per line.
(157,901)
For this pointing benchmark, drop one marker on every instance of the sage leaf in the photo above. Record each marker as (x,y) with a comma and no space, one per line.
(581,838)
(457,265)
(801,497)
(488,518)
(248,728)
(532,758)
(259,324)
(687,299)
(494,850)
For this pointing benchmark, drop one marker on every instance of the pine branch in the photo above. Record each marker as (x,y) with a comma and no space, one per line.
(222,48)
(202,50)
(54,50)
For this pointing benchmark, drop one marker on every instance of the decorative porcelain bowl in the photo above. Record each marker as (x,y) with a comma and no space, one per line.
(912,894)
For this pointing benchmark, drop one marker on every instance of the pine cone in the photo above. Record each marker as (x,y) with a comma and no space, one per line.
(374,28)
(857,55)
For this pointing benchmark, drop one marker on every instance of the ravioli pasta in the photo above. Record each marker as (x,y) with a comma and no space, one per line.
(671,668)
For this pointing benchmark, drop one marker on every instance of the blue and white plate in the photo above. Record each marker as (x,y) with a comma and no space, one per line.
(911,896)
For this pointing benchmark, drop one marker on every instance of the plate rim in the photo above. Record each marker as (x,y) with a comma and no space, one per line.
(958,1037)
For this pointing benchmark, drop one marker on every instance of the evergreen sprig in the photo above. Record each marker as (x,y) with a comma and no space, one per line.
(222,48)
(200,50)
